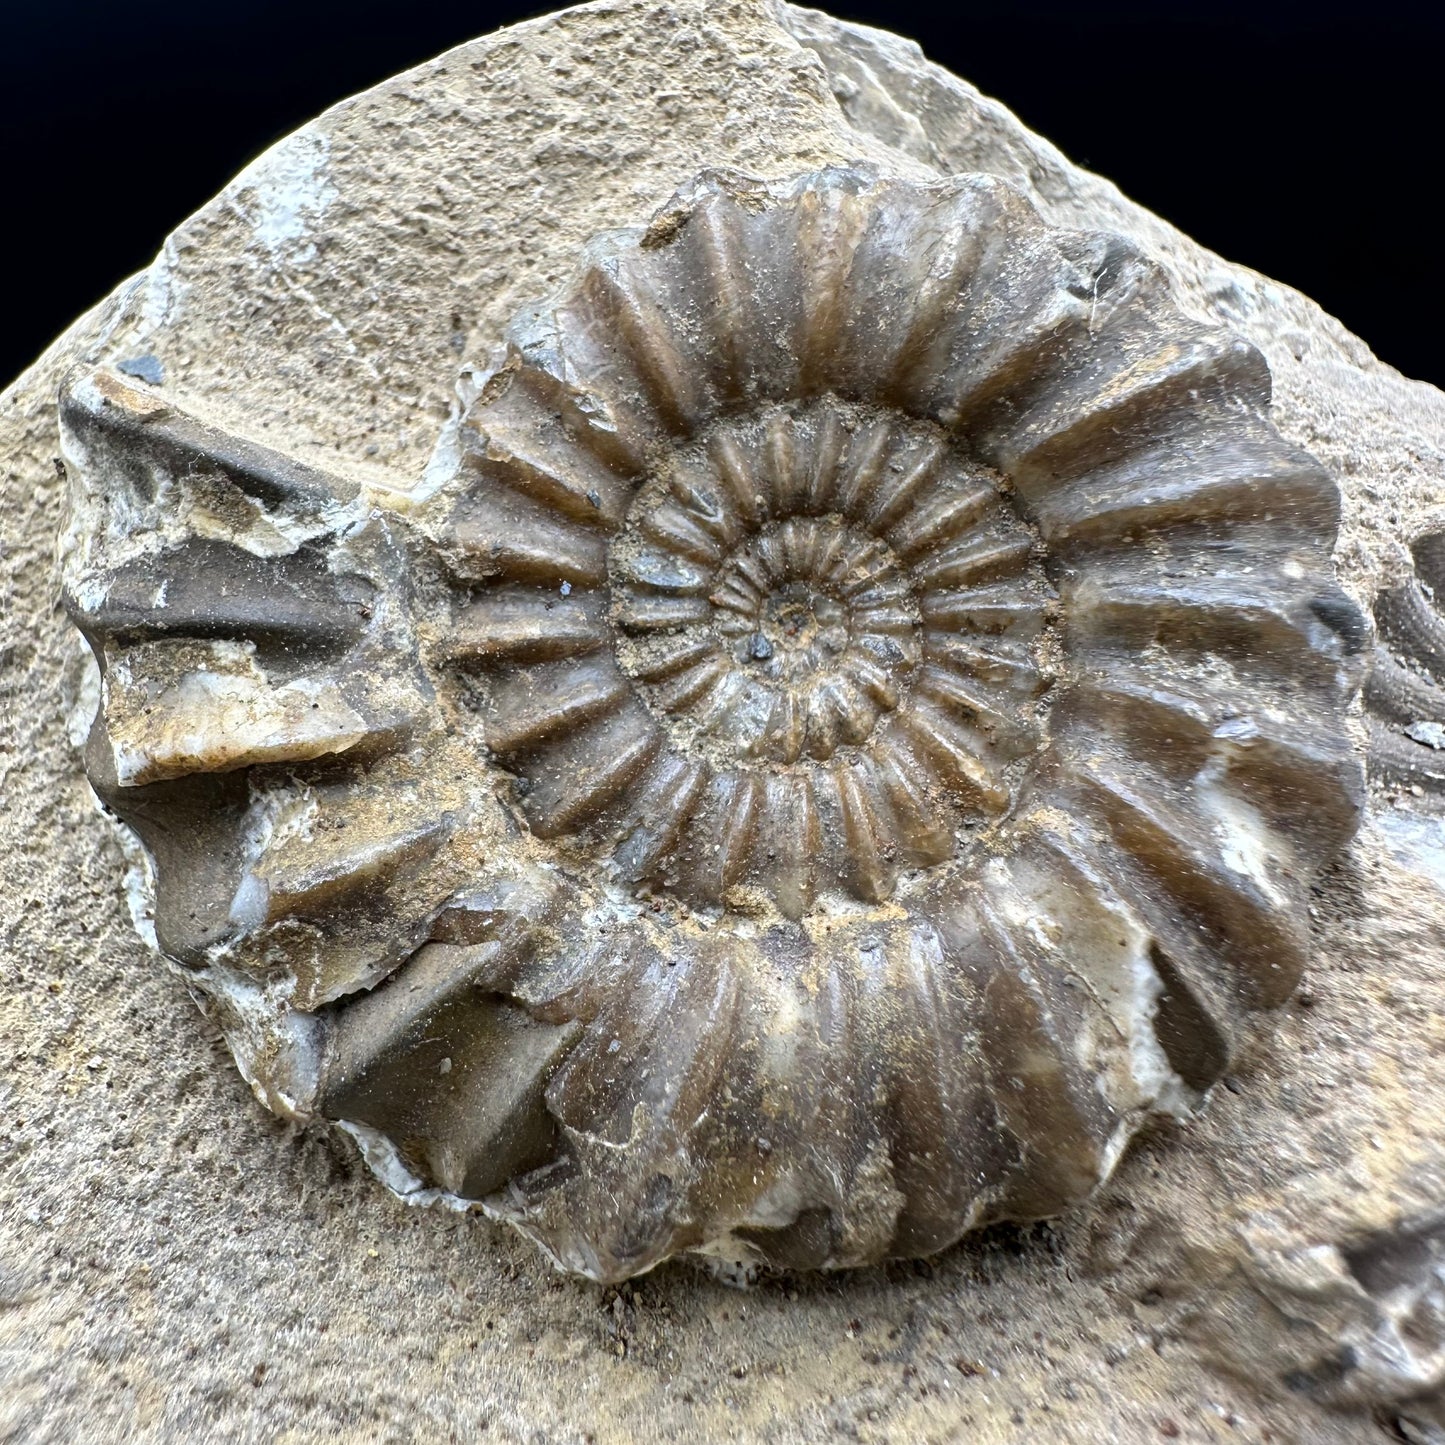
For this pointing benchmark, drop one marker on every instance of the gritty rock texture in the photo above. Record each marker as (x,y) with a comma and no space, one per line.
(175,1263)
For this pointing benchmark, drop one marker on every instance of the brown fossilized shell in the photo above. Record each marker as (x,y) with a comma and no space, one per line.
(1406,686)
(842,734)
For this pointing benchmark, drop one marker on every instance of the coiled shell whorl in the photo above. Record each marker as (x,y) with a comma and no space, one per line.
(1406,686)
(843,735)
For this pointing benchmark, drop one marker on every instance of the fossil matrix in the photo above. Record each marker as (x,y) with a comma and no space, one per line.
(841,734)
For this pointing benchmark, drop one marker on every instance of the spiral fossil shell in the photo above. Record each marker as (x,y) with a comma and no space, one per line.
(843,735)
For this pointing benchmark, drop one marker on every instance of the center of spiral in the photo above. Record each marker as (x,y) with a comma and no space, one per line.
(798,630)
(785,601)
(792,645)
(809,584)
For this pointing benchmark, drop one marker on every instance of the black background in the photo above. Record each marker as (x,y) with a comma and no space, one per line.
(1298,139)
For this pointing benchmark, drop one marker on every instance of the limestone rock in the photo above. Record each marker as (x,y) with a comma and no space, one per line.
(1271,1265)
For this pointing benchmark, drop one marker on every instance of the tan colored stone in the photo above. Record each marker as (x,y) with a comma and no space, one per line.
(1263,1273)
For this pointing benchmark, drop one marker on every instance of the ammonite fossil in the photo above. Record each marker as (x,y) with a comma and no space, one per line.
(842,733)
(1406,687)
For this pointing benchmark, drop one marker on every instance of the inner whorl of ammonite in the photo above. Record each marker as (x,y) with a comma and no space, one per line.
(842,735)
(805,601)
(806,634)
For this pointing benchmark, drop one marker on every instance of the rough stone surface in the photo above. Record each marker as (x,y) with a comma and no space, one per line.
(174,1263)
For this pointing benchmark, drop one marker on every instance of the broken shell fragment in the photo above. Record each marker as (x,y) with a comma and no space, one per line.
(845,738)
(1406,686)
